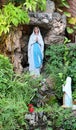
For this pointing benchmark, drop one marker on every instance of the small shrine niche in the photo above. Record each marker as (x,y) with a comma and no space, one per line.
(52,26)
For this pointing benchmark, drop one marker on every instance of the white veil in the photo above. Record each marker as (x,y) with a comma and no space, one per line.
(32,40)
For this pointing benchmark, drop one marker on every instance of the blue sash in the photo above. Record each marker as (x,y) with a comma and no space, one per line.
(37,55)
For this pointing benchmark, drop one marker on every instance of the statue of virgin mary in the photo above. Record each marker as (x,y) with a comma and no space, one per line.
(67,97)
(35,52)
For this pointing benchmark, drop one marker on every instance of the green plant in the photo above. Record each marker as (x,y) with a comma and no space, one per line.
(6,72)
(16,93)
(74,95)
(11,15)
(62,7)
(35,5)
(54,66)
(57,117)
(60,63)
(62,118)
(17,1)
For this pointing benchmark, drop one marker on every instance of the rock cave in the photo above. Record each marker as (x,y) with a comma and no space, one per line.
(52,26)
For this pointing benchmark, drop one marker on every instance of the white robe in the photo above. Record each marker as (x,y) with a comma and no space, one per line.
(67,99)
(32,40)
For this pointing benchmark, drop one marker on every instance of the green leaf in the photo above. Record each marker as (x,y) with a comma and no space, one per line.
(67,14)
(70,30)
(65,3)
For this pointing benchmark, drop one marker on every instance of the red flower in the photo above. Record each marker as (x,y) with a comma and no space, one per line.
(31,108)
(30,105)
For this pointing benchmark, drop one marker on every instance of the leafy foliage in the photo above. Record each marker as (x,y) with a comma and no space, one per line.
(61,118)
(16,93)
(11,15)
(17,1)
(70,30)
(6,72)
(36,4)
(65,3)
(61,62)
(61,5)
(72,20)
(74,95)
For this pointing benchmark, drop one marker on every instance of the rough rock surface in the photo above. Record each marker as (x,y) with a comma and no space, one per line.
(52,26)
(57,31)
(14,47)
(50,6)
(24,48)
(52,22)
(43,19)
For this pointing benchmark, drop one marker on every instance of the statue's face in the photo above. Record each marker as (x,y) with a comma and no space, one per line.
(36,30)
